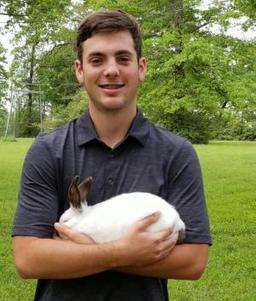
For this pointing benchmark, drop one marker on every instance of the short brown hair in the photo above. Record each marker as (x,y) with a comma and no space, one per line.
(108,21)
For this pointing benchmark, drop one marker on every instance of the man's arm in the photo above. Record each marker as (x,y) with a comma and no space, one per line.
(40,258)
(186,261)
(183,261)
(77,256)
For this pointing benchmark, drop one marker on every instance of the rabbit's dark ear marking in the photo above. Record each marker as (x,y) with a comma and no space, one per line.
(84,188)
(74,194)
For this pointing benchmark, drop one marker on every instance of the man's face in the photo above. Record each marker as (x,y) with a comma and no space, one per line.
(111,71)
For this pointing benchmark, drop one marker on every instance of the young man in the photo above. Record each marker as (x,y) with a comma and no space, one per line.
(123,152)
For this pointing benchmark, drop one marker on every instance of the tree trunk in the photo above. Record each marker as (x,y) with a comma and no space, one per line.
(177,23)
(177,14)
(29,124)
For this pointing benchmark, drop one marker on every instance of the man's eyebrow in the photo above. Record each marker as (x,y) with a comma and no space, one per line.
(119,52)
(126,52)
(96,53)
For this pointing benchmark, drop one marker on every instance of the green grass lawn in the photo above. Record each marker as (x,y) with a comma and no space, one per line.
(11,158)
(229,170)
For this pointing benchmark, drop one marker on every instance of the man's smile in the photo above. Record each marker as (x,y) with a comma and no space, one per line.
(111,86)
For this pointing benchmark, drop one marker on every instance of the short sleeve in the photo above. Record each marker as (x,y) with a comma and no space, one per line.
(187,195)
(37,207)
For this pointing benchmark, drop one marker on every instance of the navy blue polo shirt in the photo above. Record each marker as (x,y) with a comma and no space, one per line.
(149,159)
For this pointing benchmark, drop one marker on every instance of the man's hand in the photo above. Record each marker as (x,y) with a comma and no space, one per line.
(139,247)
(67,233)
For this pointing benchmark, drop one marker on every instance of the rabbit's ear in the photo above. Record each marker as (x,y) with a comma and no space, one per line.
(73,193)
(84,189)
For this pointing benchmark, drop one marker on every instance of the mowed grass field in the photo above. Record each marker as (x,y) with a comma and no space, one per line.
(229,171)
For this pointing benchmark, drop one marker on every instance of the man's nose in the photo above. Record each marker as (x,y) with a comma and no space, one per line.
(111,69)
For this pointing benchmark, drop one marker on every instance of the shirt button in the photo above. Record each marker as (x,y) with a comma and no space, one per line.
(110,181)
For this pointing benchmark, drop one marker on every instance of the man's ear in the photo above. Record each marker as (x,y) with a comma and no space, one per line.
(142,68)
(79,72)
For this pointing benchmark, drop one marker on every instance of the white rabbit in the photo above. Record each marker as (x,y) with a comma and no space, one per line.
(109,220)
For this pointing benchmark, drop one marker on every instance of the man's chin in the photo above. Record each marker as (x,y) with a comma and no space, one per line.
(110,106)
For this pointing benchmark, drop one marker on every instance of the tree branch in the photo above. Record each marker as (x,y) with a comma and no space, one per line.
(11,15)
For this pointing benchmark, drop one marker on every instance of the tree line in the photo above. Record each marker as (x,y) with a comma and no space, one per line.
(200,82)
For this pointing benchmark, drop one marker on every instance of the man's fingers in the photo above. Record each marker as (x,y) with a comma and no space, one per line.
(148,220)
(70,234)
(63,231)
(168,244)
(66,232)
(163,235)
(170,240)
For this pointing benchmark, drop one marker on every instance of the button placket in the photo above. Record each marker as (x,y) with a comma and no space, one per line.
(110,180)
(111,169)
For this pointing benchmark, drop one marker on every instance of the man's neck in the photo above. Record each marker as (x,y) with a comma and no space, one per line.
(112,126)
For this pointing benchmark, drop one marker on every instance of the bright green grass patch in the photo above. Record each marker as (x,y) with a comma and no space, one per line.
(229,170)
(11,157)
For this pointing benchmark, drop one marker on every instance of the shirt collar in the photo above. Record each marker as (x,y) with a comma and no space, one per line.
(86,130)
(139,129)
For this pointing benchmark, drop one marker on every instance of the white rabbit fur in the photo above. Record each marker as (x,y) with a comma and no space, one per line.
(109,220)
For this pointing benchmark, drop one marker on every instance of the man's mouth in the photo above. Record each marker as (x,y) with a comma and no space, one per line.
(111,86)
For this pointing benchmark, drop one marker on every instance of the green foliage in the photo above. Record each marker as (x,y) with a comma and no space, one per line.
(194,125)
(190,69)
(38,23)
(62,114)
(22,128)
(195,71)
(3,119)
(3,73)
(242,130)
(55,71)
(248,7)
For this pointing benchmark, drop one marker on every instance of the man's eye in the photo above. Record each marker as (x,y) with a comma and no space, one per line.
(124,59)
(95,61)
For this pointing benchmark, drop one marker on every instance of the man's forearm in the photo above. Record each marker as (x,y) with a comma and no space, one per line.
(138,252)
(50,258)
(186,261)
